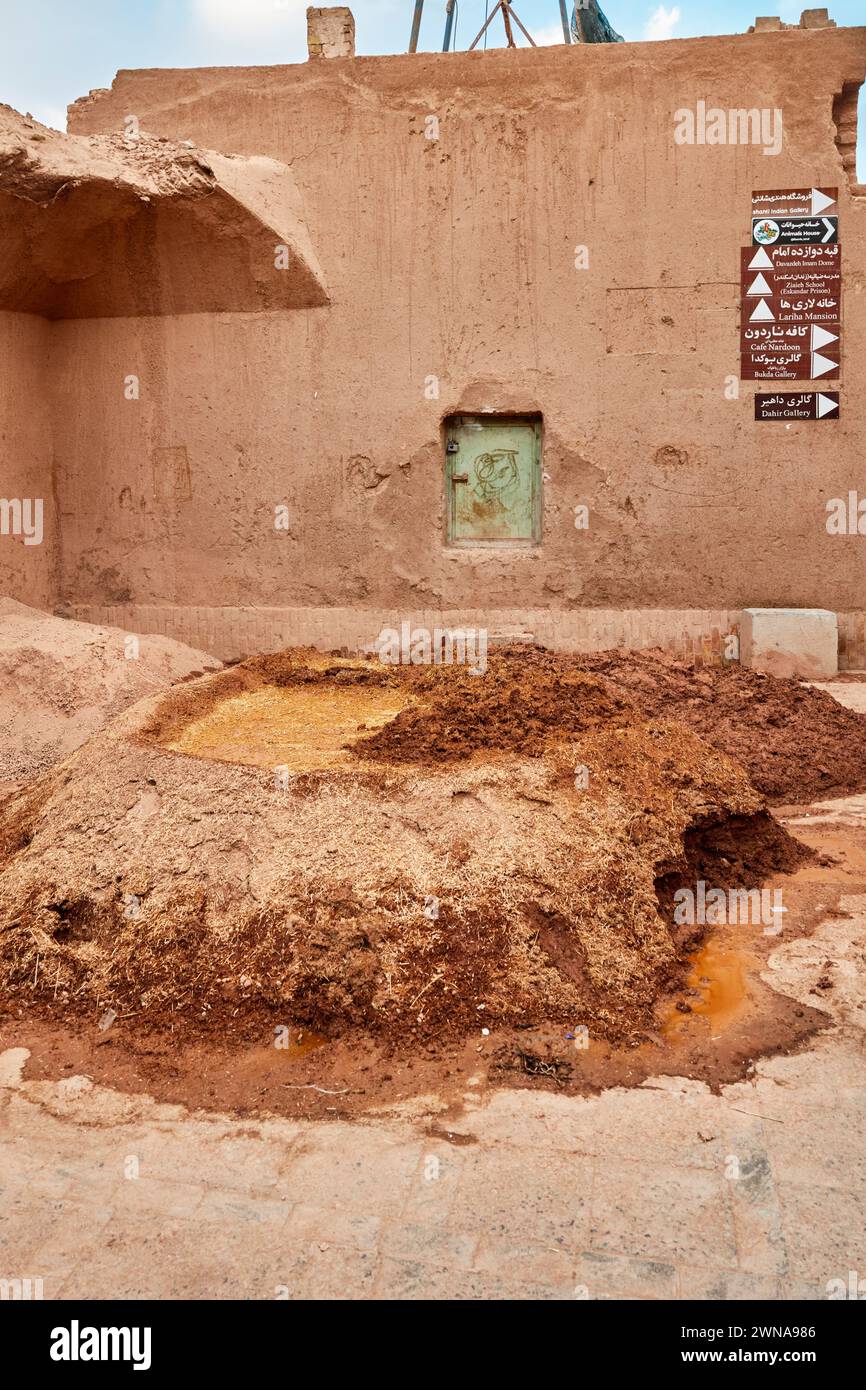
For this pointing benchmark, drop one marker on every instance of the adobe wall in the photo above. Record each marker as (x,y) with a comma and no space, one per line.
(454,258)
(27,566)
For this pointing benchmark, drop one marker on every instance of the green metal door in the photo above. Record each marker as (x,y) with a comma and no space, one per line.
(493,480)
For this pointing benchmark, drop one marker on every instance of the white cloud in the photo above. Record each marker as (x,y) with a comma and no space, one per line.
(661,23)
(248,18)
(549,35)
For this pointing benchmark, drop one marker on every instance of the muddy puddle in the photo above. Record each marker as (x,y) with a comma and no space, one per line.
(716,989)
(275,1060)
(300,727)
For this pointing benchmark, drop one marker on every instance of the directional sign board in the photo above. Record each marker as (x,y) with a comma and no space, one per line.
(765,301)
(795,405)
(788,352)
(797,282)
(794,231)
(796,366)
(794,258)
(795,285)
(780,309)
(795,202)
(781,337)
(800,282)
(791,299)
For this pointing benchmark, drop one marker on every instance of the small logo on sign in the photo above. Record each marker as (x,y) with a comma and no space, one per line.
(767,232)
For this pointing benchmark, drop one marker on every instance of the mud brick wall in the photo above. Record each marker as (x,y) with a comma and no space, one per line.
(28,572)
(852,641)
(330,32)
(451,267)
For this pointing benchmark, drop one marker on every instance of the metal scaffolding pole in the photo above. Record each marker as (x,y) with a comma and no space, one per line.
(449,21)
(416,26)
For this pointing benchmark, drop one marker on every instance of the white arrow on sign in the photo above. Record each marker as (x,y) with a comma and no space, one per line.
(820,201)
(822,365)
(825,405)
(760,260)
(762,311)
(829,232)
(820,337)
(759,286)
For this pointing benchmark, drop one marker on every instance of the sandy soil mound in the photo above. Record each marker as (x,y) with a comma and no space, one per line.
(357,887)
(796,743)
(60,681)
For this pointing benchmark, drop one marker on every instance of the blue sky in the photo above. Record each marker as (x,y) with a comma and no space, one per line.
(52,51)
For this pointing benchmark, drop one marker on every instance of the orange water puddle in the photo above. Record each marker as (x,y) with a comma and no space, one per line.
(271,1058)
(719,973)
(300,727)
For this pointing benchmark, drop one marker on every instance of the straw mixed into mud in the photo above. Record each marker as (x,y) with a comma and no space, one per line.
(796,742)
(415,852)
(529,698)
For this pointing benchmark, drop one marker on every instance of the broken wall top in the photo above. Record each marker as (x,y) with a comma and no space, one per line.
(111,225)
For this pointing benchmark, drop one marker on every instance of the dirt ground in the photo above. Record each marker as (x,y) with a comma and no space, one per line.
(529,697)
(61,681)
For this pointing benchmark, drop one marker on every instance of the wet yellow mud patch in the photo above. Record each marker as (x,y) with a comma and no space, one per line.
(719,973)
(299,727)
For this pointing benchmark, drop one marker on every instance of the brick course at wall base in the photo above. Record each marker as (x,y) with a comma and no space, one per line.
(692,634)
(230,633)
